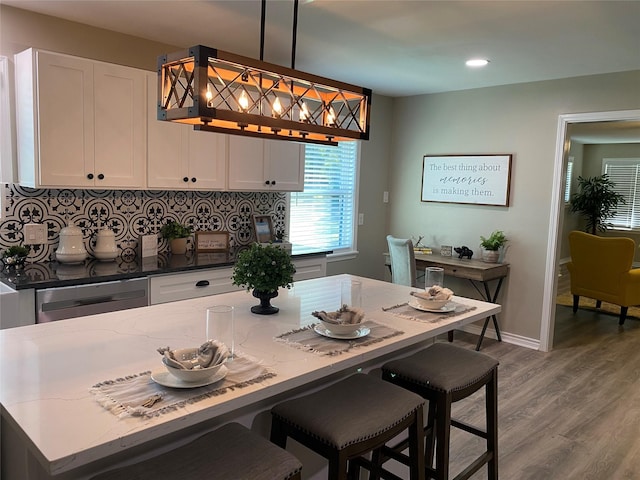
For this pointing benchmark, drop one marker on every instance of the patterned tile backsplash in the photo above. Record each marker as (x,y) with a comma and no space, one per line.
(131,213)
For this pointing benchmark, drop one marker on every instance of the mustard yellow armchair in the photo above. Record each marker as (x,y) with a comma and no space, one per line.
(600,268)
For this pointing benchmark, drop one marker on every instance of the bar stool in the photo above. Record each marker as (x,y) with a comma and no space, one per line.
(349,419)
(444,374)
(231,452)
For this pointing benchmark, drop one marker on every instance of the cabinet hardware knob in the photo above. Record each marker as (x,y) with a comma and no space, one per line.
(266,182)
(90,176)
(101,177)
(202,283)
(273,182)
(193,179)
(185,179)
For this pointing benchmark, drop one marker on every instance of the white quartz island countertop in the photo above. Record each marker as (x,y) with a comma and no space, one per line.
(50,416)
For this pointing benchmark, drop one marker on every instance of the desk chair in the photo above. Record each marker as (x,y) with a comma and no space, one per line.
(403,261)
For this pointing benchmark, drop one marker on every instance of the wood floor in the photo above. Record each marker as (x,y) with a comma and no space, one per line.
(572,413)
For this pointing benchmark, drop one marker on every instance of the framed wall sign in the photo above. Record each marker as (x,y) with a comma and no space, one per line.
(474,179)
(263,227)
(212,241)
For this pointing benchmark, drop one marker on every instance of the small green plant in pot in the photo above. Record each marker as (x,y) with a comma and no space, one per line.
(491,246)
(264,268)
(15,256)
(177,234)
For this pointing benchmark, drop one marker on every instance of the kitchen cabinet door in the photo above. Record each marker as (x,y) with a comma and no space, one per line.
(265,165)
(120,157)
(81,122)
(180,158)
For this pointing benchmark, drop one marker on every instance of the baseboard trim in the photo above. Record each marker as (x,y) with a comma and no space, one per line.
(519,340)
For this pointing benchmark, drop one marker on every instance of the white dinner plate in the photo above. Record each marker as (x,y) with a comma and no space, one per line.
(449,307)
(165,379)
(359,333)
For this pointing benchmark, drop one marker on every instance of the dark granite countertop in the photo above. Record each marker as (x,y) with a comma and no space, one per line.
(54,274)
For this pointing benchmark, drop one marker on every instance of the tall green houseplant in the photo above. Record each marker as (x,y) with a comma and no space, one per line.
(596,200)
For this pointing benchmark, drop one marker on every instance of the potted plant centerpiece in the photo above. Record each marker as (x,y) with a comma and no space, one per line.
(264,268)
(596,200)
(15,256)
(491,246)
(177,235)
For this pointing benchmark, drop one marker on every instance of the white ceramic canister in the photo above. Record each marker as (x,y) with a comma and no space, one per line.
(106,249)
(71,247)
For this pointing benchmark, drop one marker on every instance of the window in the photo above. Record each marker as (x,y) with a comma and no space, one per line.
(625,173)
(323,215)
(567,183)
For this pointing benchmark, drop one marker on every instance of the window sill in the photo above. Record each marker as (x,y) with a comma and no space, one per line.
(342,256)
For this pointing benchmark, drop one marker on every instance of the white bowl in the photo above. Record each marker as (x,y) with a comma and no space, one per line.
(196,375)
(341,328)
(431,304)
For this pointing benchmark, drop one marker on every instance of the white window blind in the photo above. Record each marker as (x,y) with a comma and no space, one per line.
(625,174)
(567,184)
(323,215)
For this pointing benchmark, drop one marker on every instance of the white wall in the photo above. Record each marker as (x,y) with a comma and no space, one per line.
(518,119)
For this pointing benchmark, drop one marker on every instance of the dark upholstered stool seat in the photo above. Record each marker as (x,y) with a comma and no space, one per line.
(350,418)
(443,374)
(231,452)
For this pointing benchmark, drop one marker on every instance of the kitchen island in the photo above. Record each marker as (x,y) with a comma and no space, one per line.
(53,426)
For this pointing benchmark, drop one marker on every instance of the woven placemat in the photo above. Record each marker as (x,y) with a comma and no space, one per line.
(308,339)
(126,396)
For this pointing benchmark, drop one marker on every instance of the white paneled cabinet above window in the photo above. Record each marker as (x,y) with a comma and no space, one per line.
(265,165)
(180,158)
(80,123)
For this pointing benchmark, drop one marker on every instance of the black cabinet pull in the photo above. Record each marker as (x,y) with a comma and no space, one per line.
(273,182)
(185,179)
(266,182)
(101,177)
(193,179)
(202,283)
(90,176)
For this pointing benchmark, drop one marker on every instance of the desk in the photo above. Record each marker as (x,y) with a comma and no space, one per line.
(56,429)
(477,272)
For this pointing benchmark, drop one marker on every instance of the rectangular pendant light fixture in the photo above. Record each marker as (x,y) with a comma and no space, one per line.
(222,92)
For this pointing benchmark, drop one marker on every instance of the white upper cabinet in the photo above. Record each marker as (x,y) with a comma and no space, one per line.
(265,165)
(80,123)
(179,157)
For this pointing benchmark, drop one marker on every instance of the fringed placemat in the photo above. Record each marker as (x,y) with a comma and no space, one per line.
(138,395)
(307,339)
(404,310)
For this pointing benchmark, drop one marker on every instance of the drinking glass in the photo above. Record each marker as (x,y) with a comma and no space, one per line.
(220,326)
(351,293)
(433,276)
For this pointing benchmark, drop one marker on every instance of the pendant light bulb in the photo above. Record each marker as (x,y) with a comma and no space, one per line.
(304,112)
(331,117)
(243,101)
(277,108)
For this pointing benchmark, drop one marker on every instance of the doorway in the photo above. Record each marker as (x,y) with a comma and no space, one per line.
(557,205)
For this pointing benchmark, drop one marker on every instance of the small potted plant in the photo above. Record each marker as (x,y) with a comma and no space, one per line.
(491,246)
(177,234)
(264,268)
(15,256)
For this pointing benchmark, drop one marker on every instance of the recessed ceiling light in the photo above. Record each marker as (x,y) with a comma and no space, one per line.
(477,62)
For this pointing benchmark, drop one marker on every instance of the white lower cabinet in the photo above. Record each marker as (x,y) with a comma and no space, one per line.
(201,283)
(194,284)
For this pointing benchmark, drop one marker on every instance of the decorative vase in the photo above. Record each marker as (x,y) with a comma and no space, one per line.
(265,307)
(178,246)
(490,256)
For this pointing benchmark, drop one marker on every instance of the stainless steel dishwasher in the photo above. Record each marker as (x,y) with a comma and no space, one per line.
(76,301)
